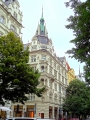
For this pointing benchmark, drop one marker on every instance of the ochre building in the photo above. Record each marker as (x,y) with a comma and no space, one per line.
(71,73)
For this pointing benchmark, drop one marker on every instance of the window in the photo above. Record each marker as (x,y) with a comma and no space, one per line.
(31,97)
(2,20)
(34,47)
(13,28)
(51,61)
(43,57)
(55,87)
(60,88)
(55,64)
(46,82)
(62,79)
(42,81)
(50,70)
(44,47)
(55,73)
(42,69)
(65,81)
(50,83)
(33,58)
(15,15)
(58,76)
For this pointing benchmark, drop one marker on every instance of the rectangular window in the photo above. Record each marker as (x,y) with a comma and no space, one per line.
(55,87)
(31,97)
(50,70)
(43,57)
(62,79)
(50,84)
(55,64)
(60,88)
(55,73)
(33,58)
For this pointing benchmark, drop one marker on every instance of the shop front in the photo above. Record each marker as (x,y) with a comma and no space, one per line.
(18,110)
(30,111)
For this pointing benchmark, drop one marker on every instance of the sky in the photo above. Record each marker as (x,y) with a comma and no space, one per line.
(55,15)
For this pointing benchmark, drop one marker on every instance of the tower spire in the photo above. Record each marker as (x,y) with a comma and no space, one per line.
(42,12)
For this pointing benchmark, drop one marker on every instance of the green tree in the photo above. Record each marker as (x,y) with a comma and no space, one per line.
(77,99)
(80,24)
(17,78)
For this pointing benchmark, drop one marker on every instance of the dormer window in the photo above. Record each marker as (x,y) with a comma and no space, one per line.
(2,19)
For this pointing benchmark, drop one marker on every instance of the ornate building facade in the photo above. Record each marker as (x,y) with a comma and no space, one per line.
(10,20)
(53,71)
(10,17)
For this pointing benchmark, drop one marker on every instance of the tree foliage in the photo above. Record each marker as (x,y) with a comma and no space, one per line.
(77,98)
(17,78)
(80,24)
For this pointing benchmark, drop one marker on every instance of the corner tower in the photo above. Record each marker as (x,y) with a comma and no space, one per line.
(41,31)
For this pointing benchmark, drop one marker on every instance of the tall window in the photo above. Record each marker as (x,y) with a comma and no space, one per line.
(43,57)
(55,73)
(42,81)
(2,20)
(31,97)
(54,64)
(15,15)
(65,81)
(42,69)
(60,88)
(50,83)
(50,69)
(13,28)
(55,87)
(33,58)
(46,82)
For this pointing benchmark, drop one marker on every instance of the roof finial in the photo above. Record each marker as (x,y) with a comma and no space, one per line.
(42,11)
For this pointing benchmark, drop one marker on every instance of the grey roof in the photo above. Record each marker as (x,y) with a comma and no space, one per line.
(7,2)
(62,59)
(43,39)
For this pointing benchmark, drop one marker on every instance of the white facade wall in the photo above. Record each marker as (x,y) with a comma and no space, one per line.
(11,15)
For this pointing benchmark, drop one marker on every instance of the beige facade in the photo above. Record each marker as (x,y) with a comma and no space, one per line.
(53,71)
(10,17)
(10,20)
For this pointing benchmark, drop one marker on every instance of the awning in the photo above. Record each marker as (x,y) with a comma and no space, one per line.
(5,108)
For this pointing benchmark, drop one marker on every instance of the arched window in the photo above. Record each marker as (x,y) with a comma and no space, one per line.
(2,19)
(42,81)
(13,28)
